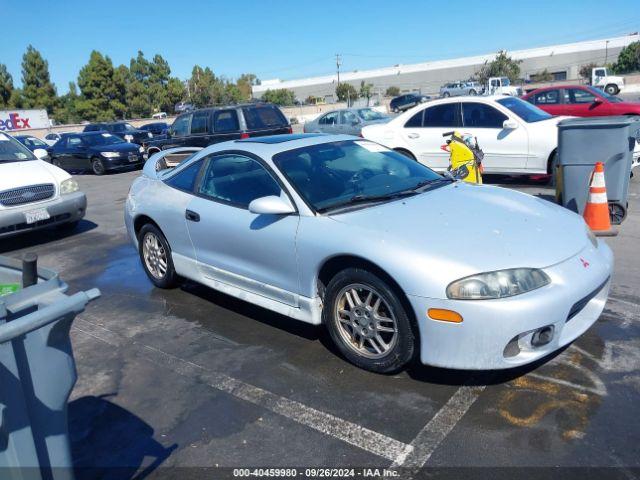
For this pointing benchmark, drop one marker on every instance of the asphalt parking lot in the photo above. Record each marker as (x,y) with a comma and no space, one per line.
(193,378)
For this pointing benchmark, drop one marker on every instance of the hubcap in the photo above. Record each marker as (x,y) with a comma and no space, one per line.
(155,256)
(365,321)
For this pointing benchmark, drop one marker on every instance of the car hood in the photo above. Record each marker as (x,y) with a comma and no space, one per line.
(475,228)
(32,172)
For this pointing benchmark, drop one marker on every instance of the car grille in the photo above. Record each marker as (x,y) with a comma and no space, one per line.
(23,195)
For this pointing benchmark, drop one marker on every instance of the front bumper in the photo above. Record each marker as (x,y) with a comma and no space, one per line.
(122,163)
(497,334)
(63,209)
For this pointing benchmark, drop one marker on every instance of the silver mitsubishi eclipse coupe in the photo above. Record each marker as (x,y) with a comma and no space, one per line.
(397,261)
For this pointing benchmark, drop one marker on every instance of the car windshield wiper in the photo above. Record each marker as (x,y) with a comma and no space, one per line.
(359,199)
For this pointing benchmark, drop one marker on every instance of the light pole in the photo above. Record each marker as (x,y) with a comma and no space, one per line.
(606,52)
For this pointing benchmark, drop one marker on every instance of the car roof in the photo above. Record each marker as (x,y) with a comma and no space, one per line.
(233,105)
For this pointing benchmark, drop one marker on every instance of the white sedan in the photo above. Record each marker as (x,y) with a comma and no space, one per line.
(516,137)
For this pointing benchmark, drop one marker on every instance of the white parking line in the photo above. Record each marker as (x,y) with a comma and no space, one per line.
(323,422)
(434,432)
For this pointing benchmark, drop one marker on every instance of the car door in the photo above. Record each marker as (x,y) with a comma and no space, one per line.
(349,123)
(199,135)
(329,122)
(234,246)
(423,133)
(550,101)
(582,103)
(73,154)
(178,133)
(226,125)
(505,150)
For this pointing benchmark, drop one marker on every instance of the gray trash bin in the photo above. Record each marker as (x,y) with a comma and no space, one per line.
(37,373)
(584,141)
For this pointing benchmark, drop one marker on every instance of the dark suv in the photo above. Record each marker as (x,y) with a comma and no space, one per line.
(218,124)
(124,130)
(405,102)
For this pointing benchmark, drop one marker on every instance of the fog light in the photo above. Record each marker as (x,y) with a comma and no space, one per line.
(444,315)
(542,336)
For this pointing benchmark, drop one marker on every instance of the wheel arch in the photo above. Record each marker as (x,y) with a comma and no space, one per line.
(141,220)
(333,265)
(405,151)
(550,160)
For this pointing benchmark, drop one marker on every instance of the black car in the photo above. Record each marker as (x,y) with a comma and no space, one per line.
(218,124)
(96,151)
(156,128)
(124,130)
(405,102)
(31,142)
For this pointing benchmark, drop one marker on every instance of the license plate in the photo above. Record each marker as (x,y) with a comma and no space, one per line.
(36,215)
(133,158)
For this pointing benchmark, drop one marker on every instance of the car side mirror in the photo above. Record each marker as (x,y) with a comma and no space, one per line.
(40,153)
(271,205)
(597,100)
(510,124)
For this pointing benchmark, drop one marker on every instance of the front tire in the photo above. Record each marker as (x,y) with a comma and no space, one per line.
(553,170)
(368,322)
(446,95)
(155,255)
(473,93)
(97,167)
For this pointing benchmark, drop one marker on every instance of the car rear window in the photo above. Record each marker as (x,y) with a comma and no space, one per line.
(264,116)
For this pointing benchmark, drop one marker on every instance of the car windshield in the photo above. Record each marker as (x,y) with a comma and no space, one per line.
(505,81)
(13,151)
(368,114)
(602,93)
(101,139)
(353,172)
(529,113)
(33,142)
(122,127)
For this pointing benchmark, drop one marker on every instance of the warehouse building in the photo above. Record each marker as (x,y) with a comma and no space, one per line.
(563,62)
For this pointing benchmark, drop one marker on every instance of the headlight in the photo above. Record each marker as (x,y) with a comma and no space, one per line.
(110,154)
(68,186)
(592,237)
(128,138)
(500,284)
(141,149)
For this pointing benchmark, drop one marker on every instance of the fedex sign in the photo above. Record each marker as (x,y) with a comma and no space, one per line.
(12,120)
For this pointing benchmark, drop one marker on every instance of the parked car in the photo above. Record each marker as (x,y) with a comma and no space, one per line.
(516,137)
(218,124)
(348,121)
(31,142)
(372,233)
(580,101)
(159,115)
(609,83)
(52,137)
(33,193)
(456,89)
(99,152)
(156,128)
(124,130)
(407,101)
(183,107)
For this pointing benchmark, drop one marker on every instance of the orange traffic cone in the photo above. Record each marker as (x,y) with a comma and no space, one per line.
(596,212)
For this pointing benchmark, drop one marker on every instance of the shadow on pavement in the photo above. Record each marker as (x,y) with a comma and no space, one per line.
(109,442)
(39,237)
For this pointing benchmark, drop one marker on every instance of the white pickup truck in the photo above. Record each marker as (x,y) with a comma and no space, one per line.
(501,86)
(609,83)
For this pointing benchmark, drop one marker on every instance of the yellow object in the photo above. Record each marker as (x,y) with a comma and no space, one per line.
(461,155)
(444,315)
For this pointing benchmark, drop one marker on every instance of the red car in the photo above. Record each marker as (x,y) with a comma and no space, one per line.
(580,101)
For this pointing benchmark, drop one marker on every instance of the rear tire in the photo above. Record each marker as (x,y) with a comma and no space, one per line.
(553,169)
(97,167)
(367,322)
(446,95)
(612,89)
(155,255)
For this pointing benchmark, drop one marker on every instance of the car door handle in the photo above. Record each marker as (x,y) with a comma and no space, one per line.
(413,135)
(192,216)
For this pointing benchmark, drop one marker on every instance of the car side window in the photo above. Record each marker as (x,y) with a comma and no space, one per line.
(199,123)
(348,118)
(225,121)
(74,142)
(180,126)
(444,115)
(329,119)
(548,97)
(577,95)
(236,180)
(186,178)
(480,115)
(415,121)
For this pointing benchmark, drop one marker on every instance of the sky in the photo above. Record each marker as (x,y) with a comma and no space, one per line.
(293,39)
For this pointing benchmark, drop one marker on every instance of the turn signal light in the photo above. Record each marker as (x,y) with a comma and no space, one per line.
(444,315)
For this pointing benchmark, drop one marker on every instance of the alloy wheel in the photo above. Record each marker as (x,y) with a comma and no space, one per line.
(155,255)
(365,321)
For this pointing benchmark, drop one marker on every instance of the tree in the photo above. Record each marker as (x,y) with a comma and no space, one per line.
(280,96)
(585,70)
(544,76)
(628,59)
(392,91)
(175,93)
(100,97)
(66,111)
(6,85)
(245,84)
(366,91)
(502,66)
(37,89)
(346,93)
(201,86)
(121,79)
